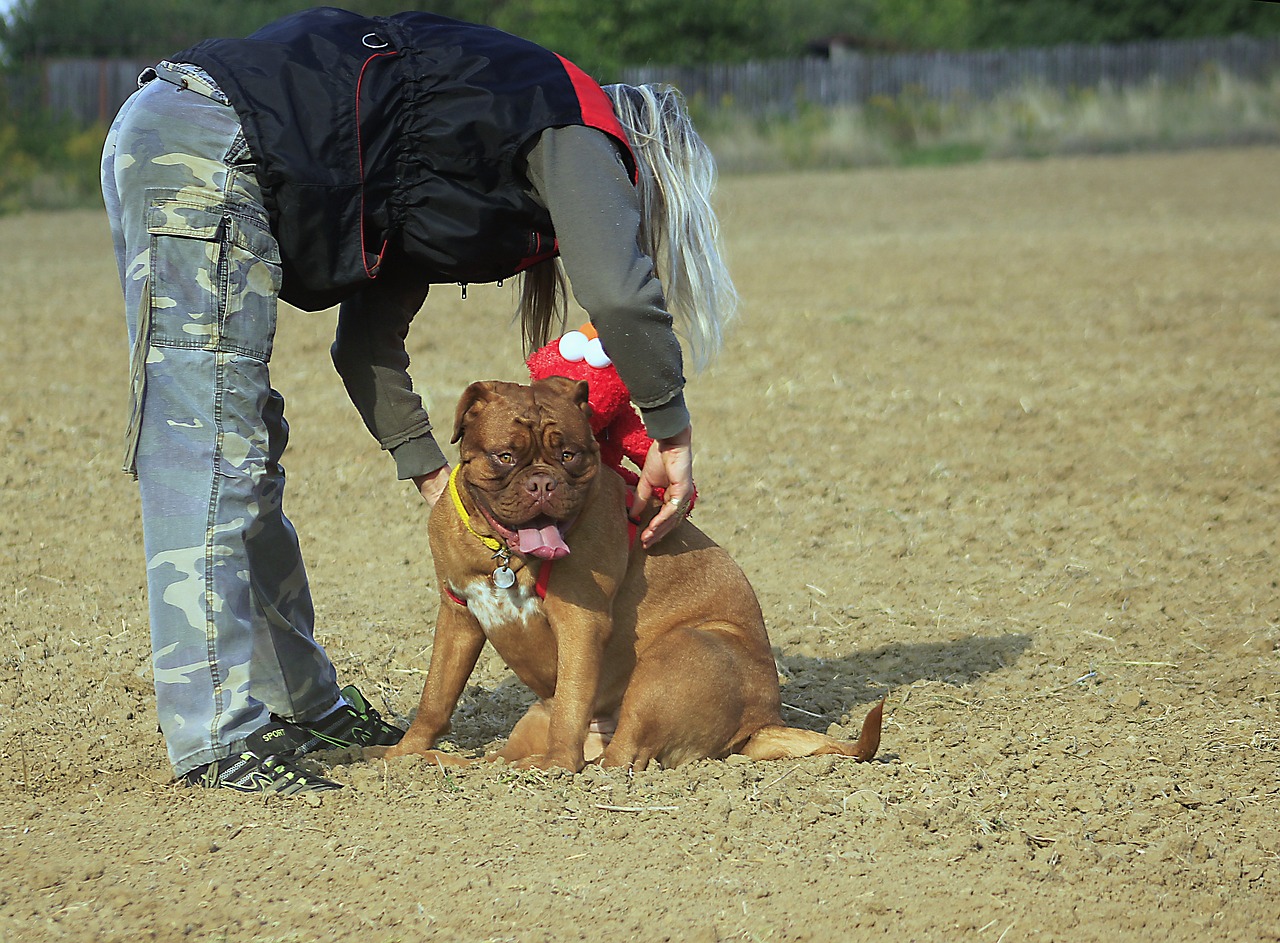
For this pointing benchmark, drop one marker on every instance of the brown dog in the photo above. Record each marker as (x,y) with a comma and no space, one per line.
(635,656)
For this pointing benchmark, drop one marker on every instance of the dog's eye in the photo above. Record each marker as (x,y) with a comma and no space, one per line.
(566,456)
(505,458)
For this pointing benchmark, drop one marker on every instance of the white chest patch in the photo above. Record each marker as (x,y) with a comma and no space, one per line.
(496,608)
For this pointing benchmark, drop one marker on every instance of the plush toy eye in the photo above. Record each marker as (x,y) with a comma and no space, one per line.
(573,346)
(595,354)
(576,347)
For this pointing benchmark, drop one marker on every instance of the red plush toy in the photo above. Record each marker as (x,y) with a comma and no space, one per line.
(615,422)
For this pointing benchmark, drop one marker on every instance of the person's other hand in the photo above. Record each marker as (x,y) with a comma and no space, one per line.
(432,485)
(668,465)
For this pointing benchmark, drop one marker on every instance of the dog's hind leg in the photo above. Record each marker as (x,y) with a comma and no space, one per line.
(776,742)
(696,692)
(530,735)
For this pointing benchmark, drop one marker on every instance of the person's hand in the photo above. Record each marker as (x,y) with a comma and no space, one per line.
(668,465)
(432,485)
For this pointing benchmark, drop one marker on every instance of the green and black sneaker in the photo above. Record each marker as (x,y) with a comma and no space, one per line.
(265,765)
(355,725)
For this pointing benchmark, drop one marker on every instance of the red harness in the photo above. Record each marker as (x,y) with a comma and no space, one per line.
(544,574)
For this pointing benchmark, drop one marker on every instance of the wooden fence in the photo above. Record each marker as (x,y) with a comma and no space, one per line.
(91,90)
(86,90)
(782,87)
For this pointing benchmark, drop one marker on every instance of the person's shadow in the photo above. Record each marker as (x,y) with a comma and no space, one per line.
(816,692)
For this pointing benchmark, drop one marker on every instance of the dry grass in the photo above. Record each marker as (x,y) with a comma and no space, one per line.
(1035,121)
(998,439)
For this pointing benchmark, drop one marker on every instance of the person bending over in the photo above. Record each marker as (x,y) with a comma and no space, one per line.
(331,158)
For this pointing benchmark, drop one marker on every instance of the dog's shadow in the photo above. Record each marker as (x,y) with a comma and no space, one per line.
(816,692)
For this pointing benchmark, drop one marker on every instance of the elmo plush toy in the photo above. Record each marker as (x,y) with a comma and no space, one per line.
(615,422)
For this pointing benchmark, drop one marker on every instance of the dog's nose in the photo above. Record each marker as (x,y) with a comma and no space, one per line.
(540,486)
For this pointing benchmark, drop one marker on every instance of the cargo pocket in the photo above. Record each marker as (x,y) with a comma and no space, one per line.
(215,276)
(137,381)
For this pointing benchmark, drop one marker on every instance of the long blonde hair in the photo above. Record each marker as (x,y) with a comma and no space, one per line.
(678,226)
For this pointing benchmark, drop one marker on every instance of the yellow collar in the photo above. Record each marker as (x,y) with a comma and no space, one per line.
(491,542)
(503,576)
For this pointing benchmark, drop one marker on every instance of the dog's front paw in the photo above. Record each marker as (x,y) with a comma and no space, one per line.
(433,757)
(409,745)
(549,761)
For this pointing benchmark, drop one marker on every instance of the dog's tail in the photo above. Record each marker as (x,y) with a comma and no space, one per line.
(776,742)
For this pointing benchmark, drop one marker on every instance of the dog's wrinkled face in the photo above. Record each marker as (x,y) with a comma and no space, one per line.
(528,458)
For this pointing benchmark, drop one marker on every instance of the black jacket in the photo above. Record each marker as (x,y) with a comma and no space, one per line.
(398,138)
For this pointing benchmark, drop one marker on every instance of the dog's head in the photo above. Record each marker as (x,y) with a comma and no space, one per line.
(528,458)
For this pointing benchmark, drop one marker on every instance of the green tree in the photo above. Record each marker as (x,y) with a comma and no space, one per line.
(930,24)
(37,29)
(602,35)
(1049,22)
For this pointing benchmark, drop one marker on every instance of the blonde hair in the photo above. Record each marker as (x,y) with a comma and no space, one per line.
(543,305)
(678,227)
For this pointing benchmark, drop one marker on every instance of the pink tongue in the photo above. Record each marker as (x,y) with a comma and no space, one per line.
(544,543)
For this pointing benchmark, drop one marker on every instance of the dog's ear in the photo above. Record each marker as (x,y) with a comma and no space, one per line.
(473,400)
(576,390)
(581,396)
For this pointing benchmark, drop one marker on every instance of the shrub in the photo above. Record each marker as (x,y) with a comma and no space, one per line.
(1215,108)
(48,163)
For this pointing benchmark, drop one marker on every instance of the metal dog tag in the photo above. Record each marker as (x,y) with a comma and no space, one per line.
(504,577)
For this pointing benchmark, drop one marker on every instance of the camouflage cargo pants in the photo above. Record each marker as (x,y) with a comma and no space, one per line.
(230,608)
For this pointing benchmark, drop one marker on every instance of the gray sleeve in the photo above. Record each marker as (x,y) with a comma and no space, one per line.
(577,174)
(370,356)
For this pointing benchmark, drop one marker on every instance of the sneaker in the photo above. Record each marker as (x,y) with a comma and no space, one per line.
(265,765)
(355,725)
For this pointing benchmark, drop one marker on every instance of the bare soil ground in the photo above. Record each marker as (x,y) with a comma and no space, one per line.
(999,441)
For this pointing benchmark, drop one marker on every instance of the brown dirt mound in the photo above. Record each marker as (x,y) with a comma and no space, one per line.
(998,441)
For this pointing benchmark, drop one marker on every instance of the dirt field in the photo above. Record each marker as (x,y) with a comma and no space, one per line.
(1000,441)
